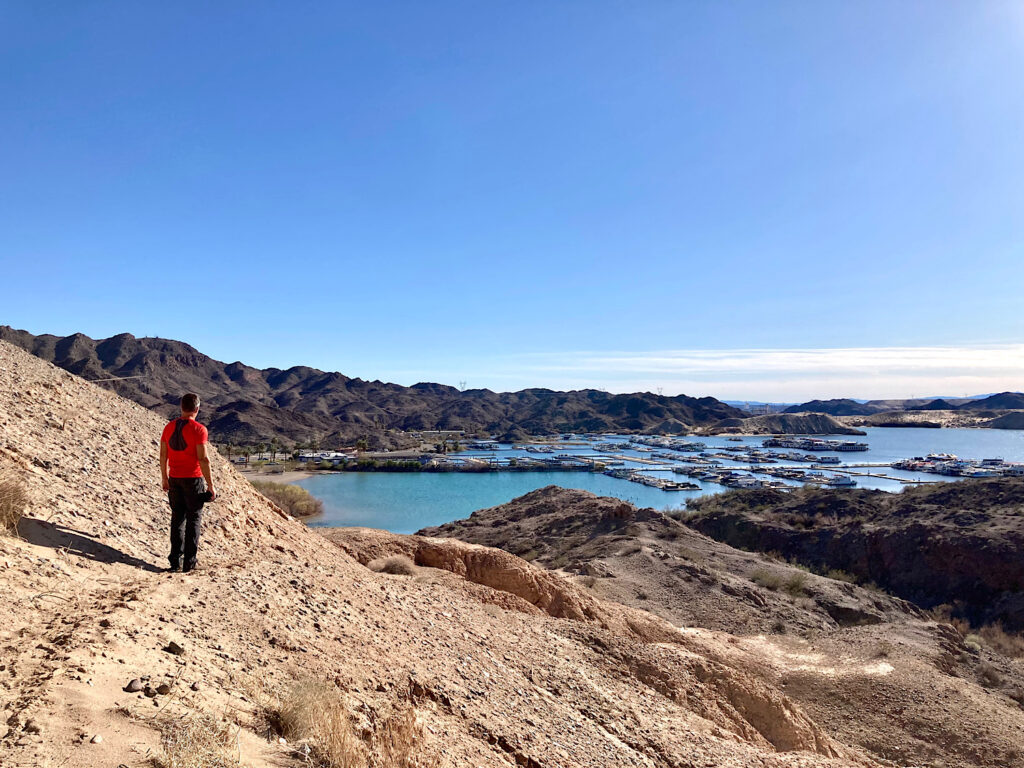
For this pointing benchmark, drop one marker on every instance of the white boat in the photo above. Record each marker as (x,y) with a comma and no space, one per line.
(841,481)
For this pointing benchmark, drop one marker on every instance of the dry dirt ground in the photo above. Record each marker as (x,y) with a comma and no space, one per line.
(873,667)
(494,680)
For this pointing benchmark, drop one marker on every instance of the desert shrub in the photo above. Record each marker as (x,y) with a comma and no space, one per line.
(973,642)
(767,579)
(589,581)
(641,595)
(396,565)
(296,501)
(998,639)
(196,741)
(779,627)
(837,575)
(796,583)
(13,500)
(991,636)
(990,675)
(314,712)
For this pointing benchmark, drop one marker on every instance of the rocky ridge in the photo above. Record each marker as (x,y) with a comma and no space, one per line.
(246,404)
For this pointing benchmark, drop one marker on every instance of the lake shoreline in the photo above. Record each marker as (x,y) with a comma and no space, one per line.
(289,478)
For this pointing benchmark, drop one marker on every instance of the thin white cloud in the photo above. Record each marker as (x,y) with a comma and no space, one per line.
(768,374)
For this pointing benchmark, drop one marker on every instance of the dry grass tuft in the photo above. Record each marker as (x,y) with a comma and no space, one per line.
(197,741)
(397,740)
(397,565)
(13,501)
(314,713)
(766,578)
(296,501)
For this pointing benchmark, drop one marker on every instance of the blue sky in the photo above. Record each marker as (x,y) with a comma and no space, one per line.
(744,199)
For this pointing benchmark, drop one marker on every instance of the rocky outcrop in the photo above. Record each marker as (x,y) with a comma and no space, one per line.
(956,543)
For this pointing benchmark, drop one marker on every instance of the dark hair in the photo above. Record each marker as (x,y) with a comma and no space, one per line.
(189,402)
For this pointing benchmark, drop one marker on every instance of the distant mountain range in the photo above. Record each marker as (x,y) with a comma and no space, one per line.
(246,404)
(1003,401)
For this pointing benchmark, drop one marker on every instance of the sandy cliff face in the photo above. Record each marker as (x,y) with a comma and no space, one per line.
(501,663)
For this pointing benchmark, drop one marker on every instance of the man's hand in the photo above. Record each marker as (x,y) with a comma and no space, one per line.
(163,466)
(213,495)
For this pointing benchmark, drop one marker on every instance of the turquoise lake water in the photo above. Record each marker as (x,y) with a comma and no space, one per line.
(404,503)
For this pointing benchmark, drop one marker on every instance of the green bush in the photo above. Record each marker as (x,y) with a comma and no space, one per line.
(296,501)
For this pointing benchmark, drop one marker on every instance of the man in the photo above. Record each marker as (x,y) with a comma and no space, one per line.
(185,472)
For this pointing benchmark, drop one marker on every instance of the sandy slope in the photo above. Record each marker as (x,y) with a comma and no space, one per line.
(494,679)
(872,667)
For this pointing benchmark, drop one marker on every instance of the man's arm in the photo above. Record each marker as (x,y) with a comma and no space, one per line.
(163,465)
(204,465)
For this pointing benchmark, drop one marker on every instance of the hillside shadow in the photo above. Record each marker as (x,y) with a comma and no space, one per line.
(44,534)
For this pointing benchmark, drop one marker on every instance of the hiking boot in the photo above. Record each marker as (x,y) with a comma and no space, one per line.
(173,568)
(188,568)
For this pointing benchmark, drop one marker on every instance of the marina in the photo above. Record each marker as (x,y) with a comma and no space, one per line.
(672,470)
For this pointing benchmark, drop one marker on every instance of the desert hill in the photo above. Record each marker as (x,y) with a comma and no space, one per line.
(934,405)
(1004,401)
(245,404)
(999,411)
(646,559)
(479,659)
(787,423)
(835,407)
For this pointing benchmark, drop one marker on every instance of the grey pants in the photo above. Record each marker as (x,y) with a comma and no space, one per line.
(186,519)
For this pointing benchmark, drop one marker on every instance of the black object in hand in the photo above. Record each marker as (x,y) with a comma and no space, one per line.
(206,496)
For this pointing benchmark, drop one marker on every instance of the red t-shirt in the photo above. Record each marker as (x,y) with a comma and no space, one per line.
(184,463)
